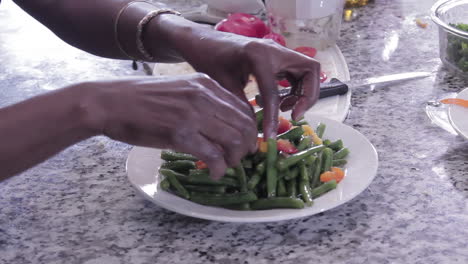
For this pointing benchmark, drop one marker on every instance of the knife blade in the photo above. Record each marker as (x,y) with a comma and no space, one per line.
(337,87)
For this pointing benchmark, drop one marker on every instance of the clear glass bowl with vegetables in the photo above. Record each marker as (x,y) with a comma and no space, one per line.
(452,18)
(287,172)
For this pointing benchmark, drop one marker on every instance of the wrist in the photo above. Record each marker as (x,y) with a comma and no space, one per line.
(169,37)
(87,110)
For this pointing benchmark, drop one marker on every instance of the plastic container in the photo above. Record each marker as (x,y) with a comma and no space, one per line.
(449,15)
(315,23)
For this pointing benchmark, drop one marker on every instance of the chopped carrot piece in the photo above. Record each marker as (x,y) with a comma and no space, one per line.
(339,173)
(336,174)
(327,176)
(456,101)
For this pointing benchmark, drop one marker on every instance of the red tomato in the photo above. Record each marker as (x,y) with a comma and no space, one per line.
(308,51)
(243,24)
(236,28)
(323,77)
(253,102)
(260,27)
(201,165)
(283,125)
(276,37)
(284,83)
(286,147)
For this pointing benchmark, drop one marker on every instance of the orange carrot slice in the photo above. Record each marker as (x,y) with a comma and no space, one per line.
(455,101)
(327,176)
(339,173)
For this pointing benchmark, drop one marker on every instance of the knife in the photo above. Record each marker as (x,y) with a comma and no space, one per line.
(337,87)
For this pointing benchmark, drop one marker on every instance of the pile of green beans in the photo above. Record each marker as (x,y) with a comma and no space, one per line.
(263,180)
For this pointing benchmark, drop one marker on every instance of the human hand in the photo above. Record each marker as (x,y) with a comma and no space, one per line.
(230,59)
(191,114)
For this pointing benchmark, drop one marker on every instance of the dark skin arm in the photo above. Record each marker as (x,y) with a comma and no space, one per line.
(228,58)
(166,112)
(81,111)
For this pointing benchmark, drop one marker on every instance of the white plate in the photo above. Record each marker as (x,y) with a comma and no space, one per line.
(143,163)
(458,116)
(333,64)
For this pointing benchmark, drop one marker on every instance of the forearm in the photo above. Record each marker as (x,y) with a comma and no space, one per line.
(90,26)
(35,129)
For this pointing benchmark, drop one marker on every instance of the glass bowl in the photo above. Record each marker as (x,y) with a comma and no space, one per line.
(452,18)
(306,22)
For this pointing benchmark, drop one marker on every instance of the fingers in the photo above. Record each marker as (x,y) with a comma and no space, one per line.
(205,150)
(236,114)
(311,92)
(269,91)
(234,143)
(288,102)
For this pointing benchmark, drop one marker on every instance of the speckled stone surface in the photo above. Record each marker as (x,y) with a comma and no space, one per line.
(79,207)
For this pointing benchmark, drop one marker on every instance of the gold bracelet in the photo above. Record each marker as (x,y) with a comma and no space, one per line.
(141,26)
(116,32)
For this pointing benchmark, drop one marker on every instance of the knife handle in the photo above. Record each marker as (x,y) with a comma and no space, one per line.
(332,88)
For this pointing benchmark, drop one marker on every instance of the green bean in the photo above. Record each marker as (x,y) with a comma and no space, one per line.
(326,187)
(223,199)
(283,164)
(337,145)
(281,188)
(310,160)
(259,116)
(208,188)
(253,181)
(171,156)
(176,184)
(339,162)
(179,165)
(272,173)
(165,184)
(327,159)
(292,173)
(315,181)
(306,142)
(241,177)
(238,207)
(277,202)
(304,187)
(320,130)
(230,172)
(291,187)
(299,123)
(202,177)
(247,163)
(293,134)
(260,169)
(258,157)
(341,154)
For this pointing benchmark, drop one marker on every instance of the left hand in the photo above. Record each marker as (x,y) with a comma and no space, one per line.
(230,59)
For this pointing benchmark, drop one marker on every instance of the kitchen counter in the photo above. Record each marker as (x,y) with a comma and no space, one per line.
(79,207)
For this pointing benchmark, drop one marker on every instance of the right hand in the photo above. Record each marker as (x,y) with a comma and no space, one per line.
(191,114)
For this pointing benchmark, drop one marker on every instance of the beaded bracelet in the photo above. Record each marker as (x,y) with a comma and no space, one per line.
(141,26)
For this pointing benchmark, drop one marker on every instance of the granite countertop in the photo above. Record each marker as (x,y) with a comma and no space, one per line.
(79,207)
